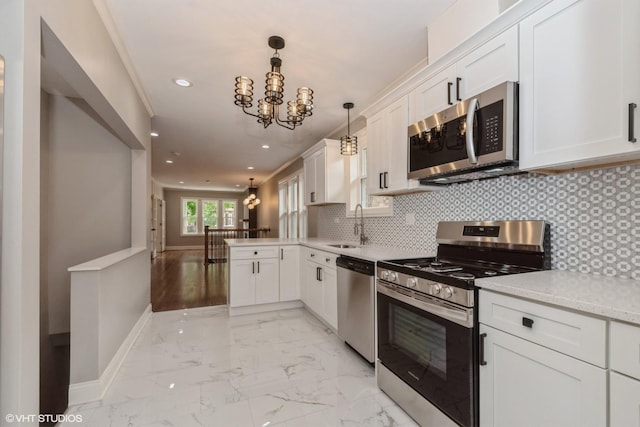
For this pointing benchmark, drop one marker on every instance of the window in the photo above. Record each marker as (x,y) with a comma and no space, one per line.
(189,216)
(229,213)
(292,212)
(357,177)
(198,213)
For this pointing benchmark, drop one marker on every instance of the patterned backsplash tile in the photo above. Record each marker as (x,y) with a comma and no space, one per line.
(594,216)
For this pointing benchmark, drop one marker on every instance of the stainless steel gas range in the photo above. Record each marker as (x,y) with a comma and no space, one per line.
(428,343)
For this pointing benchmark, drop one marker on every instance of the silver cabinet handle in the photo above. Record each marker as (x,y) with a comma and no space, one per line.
(281,253)
(471,113)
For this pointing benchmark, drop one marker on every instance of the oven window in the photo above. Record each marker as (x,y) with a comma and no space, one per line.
(420,339)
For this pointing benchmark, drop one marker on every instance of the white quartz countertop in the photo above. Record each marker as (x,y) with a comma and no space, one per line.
(618,299)
(368,252)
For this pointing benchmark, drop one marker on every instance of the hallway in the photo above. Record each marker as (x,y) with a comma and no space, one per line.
(179,280)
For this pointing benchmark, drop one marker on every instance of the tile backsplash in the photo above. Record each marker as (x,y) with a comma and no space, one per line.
(594,216)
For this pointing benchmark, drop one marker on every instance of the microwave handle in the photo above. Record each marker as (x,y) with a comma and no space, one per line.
(471,112)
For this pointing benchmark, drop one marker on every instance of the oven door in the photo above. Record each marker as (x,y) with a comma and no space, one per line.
(430,345)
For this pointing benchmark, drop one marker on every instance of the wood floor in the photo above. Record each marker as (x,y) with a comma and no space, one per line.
(179,279)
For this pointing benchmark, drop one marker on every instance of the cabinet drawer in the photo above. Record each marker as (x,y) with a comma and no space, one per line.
(577,335)
(624,348)
(254,252)
(328,260)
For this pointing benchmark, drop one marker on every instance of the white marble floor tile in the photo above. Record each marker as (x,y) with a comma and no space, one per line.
(198,367)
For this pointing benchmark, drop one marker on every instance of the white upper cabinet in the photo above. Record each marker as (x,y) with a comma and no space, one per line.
(324,174)
(495,62)
(491,64)
(387,162)
(579,73)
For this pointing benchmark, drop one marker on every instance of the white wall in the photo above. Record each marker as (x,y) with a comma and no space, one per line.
(108,89)
(88,210)
(463,19)
(19,372)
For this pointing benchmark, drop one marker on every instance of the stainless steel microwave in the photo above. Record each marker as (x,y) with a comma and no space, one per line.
(475,139)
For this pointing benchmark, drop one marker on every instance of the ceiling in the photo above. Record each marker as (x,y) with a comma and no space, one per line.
(346,51)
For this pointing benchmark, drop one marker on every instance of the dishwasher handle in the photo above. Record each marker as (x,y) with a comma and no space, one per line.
(358,265)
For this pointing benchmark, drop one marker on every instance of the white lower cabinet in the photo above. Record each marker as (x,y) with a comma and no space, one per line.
(253,282)
(526,384)
(254,276)
(624,377)
(526,376)
(330,295)
(624,393)
(320,285)
(289,273)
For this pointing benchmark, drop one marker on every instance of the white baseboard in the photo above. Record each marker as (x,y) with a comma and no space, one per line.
(261,308)
(183,248)
(90,391)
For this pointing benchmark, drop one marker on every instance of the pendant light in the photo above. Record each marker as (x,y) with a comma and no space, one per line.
(269,106)
(252,200)
(348,143)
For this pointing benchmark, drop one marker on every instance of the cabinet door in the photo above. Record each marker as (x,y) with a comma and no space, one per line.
(289,273)
(525,384)
(489,65)
(315,289)
(330,296)
(579,73)
(308,279)
(376,152)
(267,281)
(242,289)
(625,401)
(321,172)
(396,125)
(309,180)
(434,95)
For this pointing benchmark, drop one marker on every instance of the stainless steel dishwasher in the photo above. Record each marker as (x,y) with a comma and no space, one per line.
(356,290)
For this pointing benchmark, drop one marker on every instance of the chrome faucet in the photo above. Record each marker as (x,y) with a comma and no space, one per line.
(359,228)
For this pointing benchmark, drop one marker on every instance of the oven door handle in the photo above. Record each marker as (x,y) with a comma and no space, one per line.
(461,316)
(471,114)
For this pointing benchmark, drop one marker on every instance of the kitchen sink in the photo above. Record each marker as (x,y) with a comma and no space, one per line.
(344,246)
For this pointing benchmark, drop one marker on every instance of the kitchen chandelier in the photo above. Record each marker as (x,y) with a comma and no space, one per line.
(269,106)
(252,200)
(348,143)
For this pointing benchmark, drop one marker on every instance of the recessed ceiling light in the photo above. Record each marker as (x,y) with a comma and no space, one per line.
(265,146)
(182,82)
(237,185)
(181,182)
(154,133)
(250,168)
(168,161)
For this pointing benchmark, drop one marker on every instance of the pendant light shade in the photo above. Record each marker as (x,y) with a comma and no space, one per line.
(348,143)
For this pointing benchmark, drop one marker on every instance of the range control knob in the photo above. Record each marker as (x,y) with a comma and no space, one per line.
(435,289)
(412,282)
(447,292)
(393,276)
(384,274)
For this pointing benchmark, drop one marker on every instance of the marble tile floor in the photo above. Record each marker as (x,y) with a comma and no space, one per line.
(199,367)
